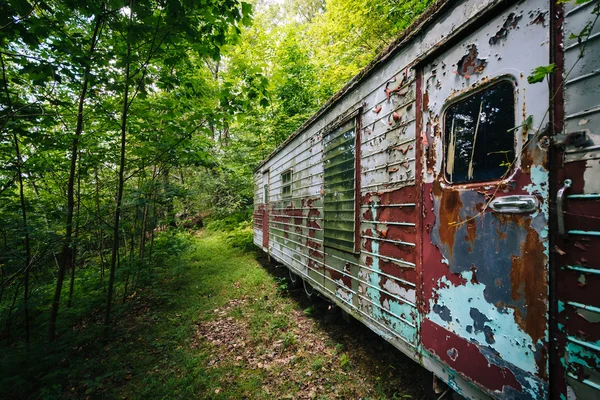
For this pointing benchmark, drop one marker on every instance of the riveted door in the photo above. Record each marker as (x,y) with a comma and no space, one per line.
(485,250)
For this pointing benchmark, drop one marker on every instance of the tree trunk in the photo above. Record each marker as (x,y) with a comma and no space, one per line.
(19,164)
(26,240)
(66,249)
(119,200)
(145,220)
(100,231)
(75,243)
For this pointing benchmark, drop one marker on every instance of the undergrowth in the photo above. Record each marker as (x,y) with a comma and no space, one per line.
(236,228)
(205,320)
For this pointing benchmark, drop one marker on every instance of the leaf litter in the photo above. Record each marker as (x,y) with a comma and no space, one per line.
(309,366)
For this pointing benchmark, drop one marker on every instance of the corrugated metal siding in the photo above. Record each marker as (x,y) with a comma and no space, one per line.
(296,233)
(378,284)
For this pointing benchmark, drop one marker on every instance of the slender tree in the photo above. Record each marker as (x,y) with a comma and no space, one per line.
(119,198)
(66,253)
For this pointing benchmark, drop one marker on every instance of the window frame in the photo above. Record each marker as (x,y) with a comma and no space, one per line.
(287,185)
(355,117)
(507,176)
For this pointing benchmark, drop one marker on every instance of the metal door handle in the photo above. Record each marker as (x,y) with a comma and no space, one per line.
(560,212)
(514,204)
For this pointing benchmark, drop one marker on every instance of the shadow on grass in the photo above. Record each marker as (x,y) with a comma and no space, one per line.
(367,351)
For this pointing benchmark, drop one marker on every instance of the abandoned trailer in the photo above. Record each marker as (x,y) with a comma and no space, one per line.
(448,198)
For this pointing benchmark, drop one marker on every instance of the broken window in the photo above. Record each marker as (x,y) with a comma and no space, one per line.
(286,184)
(479,135)
(339,187)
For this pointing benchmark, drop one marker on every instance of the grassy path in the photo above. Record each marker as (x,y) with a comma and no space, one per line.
(222,324)
(237,332)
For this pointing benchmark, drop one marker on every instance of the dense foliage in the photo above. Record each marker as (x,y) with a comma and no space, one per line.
(119,119)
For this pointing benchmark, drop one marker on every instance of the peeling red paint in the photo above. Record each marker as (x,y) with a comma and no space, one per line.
(469,362)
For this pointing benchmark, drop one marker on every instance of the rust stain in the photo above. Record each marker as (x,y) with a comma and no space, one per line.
(528,282)
(526,161)
(470,64)
(437,131)
(431,151)
(501,234)
(450,206)
(382,233)
(405,150)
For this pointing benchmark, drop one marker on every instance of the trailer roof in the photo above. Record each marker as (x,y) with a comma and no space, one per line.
(426,18)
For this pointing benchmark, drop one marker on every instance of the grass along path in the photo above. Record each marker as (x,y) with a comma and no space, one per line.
(222,324)
(239,333)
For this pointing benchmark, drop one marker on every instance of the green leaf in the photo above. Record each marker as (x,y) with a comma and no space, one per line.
(246,8)
(539,73)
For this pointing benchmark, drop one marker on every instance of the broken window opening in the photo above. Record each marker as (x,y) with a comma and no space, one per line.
(339,162)
(286,184)
(479,135)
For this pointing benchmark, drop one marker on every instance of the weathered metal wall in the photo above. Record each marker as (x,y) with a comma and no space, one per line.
(458,287)
(377,284)
(577,259)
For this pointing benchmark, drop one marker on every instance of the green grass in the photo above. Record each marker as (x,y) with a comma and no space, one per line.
(211,322)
